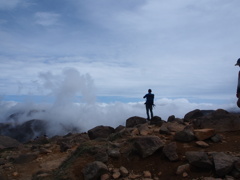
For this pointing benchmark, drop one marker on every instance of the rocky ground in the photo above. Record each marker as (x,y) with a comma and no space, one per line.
(203,145)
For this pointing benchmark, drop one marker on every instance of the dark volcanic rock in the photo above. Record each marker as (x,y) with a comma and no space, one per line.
(100,132)
(199,159)
(94,170)
(147,145)
(223,163)
(170,151)
(133,121)
(220,120)
(185,135)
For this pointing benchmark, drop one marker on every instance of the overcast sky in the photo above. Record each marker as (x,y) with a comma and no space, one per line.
(178,48)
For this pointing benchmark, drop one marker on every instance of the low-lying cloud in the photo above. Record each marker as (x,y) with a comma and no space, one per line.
(64,115)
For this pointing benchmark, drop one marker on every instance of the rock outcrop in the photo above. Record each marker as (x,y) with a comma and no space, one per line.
(188,148)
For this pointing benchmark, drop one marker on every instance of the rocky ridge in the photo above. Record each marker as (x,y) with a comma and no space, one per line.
(202,145)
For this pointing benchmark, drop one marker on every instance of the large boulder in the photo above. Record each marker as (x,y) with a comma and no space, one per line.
(147,145)
(94,170)
(196,114)
(219,120)
(100,132)
(223,163)
(199,159)
(186,135)
(170,151)
(203,134)
(135,120)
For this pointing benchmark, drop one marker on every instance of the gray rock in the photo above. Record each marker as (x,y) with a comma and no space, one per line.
(100,132)
(223,163)
(199,159)
(94,170)
(170,151)
(217,138)
(185,135)
(220,120)
(156,121)
(171,118)
(164,129)
(192,115)
(135,120)
(147,145)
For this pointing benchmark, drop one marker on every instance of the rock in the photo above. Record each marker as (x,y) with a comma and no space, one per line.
(217,138)
(94,170)
(175,126)
(105,177)
(114,153)
(100,132)
(223,163)
(156,121)
(124,172)
(147,145)
(171,118)
(199,159)
(143,129)
(183,168)
(185,135)
(193,115)
(202,144)
(8,142)
(203,134)
(116,174)
(147,174)
(164,129)
(100,154)
(119,128)
(170,151)
(133,121)
(64,146)
(220,120)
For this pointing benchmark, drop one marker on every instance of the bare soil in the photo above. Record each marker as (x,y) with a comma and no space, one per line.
(157,164)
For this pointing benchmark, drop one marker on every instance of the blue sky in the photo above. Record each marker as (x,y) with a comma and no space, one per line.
(179,49)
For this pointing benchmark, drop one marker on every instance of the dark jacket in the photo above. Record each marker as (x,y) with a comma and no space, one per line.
(238,87)
(149,99)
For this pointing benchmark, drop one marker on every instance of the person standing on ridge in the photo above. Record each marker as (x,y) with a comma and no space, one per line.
(149,103)
(238,86)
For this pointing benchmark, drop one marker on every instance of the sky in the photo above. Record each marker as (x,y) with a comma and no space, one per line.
(109,51)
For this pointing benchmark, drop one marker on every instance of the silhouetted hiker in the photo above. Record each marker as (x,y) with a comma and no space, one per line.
(149,103)
(238,86)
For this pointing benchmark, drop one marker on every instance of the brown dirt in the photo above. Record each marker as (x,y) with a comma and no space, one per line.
(156,163)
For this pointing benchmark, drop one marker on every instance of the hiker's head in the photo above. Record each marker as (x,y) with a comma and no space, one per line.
(149,90)
(238,62)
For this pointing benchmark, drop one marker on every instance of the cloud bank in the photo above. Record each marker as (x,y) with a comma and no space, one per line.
(65,115)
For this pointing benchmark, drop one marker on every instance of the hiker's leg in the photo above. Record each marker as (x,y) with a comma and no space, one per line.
(151,112)
(147,111)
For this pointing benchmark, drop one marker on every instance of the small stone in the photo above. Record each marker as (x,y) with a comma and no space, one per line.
(185,174)
(134,176)
(183,168)
(202,144)
(124,172)
(105,177)
(116,174)
(147,174)
(15,174)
